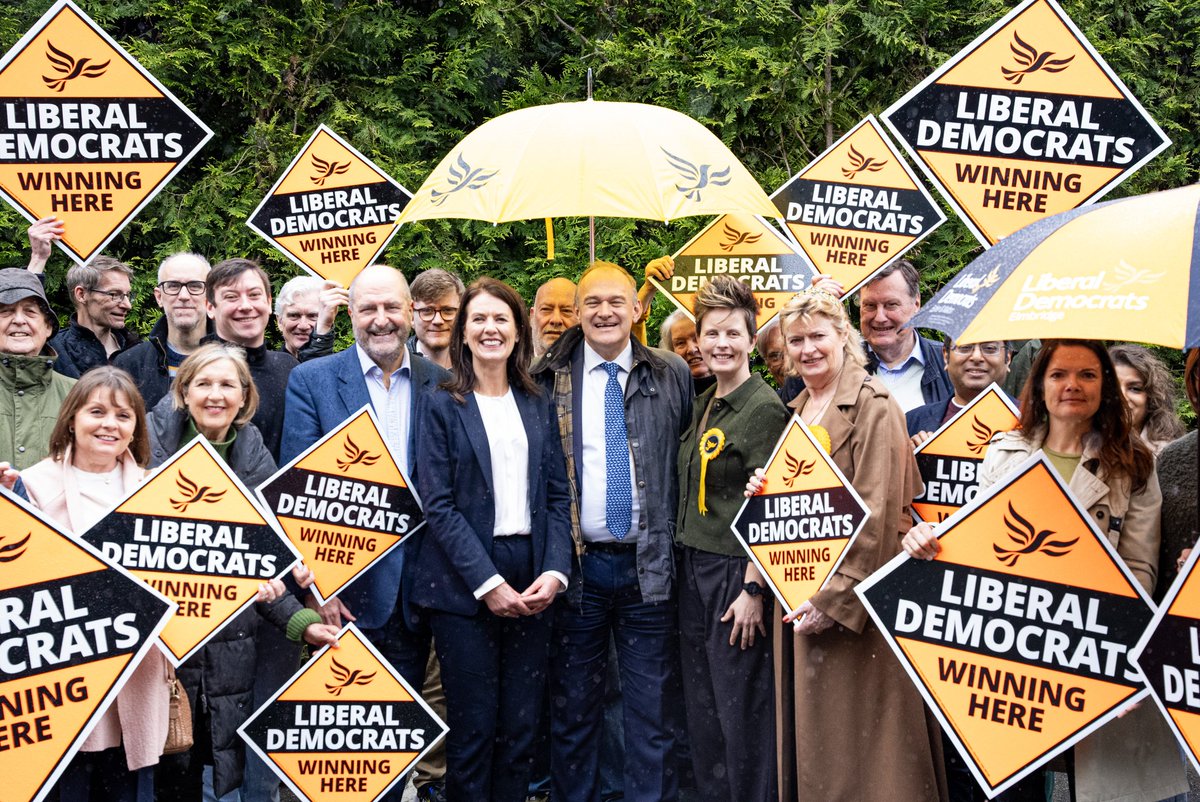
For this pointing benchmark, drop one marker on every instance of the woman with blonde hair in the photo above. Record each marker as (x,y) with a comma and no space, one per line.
(851,722)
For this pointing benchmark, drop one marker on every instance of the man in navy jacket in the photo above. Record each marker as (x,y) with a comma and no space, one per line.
(971,369)
(321,394)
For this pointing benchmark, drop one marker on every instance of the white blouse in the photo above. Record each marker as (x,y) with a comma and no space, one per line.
(509,449)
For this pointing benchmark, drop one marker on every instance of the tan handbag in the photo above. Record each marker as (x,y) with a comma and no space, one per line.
(179,720)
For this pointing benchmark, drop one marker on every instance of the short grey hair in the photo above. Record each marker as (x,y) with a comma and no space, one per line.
(664,329)
(180,257)
(300,285)
(88,276)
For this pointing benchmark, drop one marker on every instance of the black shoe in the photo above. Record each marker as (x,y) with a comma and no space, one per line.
(433,792)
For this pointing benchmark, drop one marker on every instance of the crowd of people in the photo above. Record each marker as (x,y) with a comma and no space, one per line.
(577,607)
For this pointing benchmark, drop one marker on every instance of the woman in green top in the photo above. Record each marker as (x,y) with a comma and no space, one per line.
(727,675)
(1073,411)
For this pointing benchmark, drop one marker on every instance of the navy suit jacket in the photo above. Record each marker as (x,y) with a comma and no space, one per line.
(459,496)
(321,395)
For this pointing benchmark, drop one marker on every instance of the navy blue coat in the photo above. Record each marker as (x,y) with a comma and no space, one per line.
(321,395)
(458,493)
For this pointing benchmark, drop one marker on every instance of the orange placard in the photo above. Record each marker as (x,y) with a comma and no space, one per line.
(1169,655)
(196,534)
(857,207)
(949,460)
(1025,122)
(332,211)
(799,527)
(86,133)
(748,248)
(346,727)
(73,629)
(1019,634)
(344,503)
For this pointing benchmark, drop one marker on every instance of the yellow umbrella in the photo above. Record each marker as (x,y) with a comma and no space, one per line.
(588,159)
(1127,269)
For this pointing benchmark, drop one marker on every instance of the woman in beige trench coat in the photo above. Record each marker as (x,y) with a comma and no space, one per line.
(1073,411)
(850,723)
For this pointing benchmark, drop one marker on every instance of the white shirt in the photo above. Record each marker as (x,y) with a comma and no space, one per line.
(904,381)
(392,404)
(593,489)
(509,449)
(508,446)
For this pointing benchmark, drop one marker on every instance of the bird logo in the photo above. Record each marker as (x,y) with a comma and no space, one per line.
(13,551)
(1032,61)
(734,238)
(862,164)
(355,456)
(69,69)
(462,176)
(344,678)
(1022,534)
(796,468)
(983,436)
(193,494)
(1127,274)
(701,177)
(326,169)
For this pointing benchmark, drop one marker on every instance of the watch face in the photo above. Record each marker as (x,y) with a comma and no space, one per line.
(753,588)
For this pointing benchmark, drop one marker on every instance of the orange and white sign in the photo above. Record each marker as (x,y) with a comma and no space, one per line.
(748,248)
(73,629)
(1026,121)
(949,460)
(344,503)
(332,211)
(799,527)
(1019,633)
(196,534)
(86,133)
(346,727)
(857,207)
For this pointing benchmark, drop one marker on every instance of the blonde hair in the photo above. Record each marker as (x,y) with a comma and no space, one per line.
(806,305)
(206,355)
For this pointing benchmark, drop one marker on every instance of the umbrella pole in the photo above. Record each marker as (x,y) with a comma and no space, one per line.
(591,240)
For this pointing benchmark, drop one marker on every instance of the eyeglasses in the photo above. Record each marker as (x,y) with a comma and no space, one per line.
(426,313)
(114,296)
(173,287)
(987,349)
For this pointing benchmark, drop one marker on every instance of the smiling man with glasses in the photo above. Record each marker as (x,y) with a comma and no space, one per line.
(435,294)
(180,294)
(97,333)
(971,369)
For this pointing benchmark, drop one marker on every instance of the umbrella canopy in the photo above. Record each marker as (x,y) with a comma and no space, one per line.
(588,159)
(1127,269)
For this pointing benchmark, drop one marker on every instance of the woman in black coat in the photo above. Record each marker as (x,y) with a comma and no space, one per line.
(214,396)
(497,545)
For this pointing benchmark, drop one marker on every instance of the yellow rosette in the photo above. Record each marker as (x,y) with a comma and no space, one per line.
(711,444)
(821,435)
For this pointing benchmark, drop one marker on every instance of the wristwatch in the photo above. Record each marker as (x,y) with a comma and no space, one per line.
(753,589)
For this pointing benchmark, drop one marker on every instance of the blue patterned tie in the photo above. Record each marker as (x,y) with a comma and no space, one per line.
(619,504)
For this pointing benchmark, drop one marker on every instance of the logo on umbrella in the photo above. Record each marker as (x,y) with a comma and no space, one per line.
(796,468)
(355,456)
(462,176)
(344,678)
(734,238)
(861,164)
(1028,542)
(1127,274)
(1032,61)
(983,435)
(326,169)
(193,494)
(13,551)
(69,69)
(702,176)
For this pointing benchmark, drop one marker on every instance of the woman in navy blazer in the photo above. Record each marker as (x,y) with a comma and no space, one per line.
(496,549)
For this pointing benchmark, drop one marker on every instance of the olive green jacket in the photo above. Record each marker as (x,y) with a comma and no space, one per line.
(31,394)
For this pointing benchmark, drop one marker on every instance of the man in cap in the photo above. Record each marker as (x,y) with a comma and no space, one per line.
(31,392)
